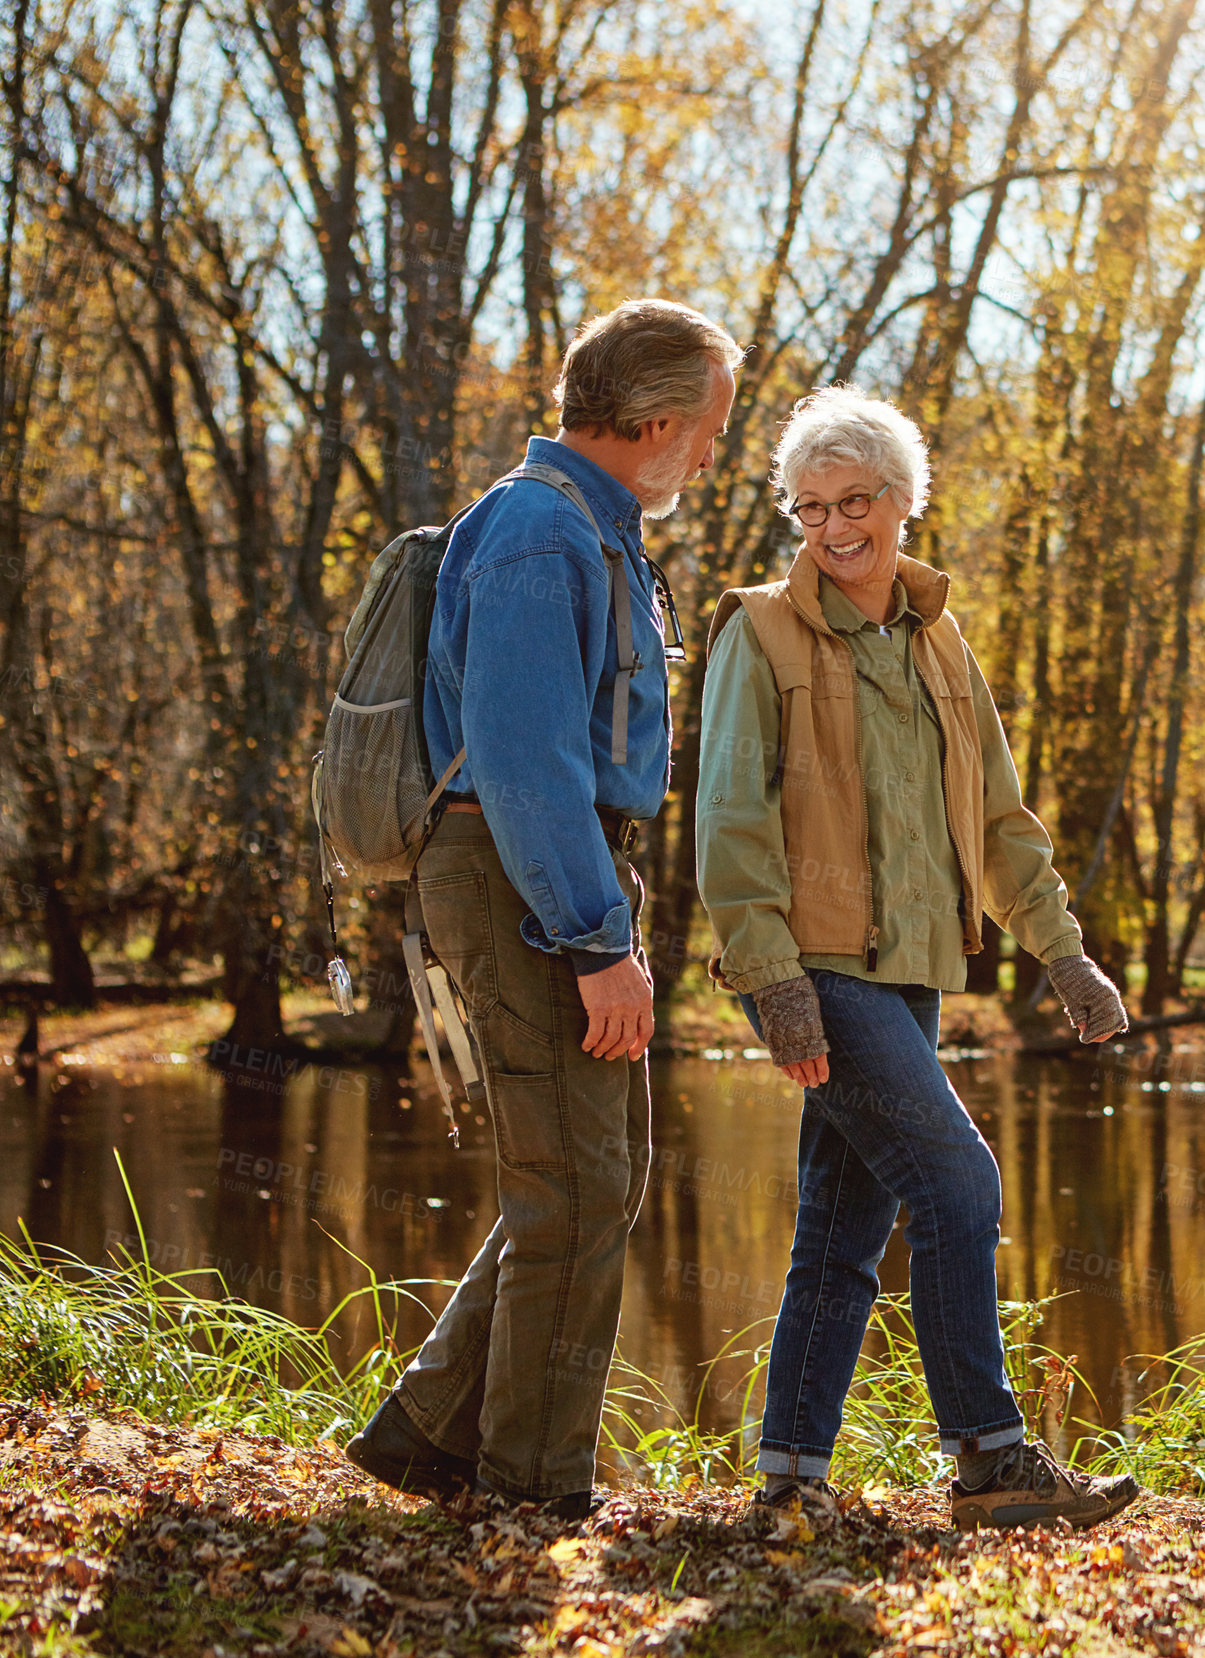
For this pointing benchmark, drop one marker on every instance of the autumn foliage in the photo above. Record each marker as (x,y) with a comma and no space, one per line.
(279,279)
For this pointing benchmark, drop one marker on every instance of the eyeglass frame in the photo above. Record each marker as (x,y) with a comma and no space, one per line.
(677,651)
(854,517)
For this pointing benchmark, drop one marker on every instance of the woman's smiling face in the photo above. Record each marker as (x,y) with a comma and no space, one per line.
(859,554)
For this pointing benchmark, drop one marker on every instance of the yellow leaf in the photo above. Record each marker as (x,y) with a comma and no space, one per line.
(569,1619)
(1106,1554)
(350,1644)
(783,1557)
(567,1552)
(794,1529)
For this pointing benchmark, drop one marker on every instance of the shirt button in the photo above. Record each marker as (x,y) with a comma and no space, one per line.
(910,777)
(555,931)
(917,894)
(717,800)
(914,835)
(903,719)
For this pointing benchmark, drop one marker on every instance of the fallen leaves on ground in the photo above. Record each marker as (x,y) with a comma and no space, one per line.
(120,1536)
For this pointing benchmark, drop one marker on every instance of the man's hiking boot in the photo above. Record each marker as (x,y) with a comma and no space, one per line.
(1029,1488)
(397,1452)
(812,1500)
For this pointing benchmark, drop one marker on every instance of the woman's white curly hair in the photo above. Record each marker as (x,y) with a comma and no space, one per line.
(842,426)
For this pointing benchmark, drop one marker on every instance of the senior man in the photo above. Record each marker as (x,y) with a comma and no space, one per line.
(531,904)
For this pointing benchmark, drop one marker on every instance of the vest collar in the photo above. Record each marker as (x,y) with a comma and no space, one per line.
(926,588)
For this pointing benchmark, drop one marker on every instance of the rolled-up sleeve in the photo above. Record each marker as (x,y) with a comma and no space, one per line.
(1022,890)
(742,865)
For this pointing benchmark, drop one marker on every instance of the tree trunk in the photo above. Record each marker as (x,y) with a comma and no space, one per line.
(72,982)
(1158,944)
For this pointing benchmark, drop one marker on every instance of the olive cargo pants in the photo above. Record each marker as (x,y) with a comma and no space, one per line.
(514,1372)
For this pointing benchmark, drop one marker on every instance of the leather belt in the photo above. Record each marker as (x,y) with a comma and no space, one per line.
(620,832)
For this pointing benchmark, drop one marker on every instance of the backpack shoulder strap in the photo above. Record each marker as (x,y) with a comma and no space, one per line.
(556,479)
(618,593)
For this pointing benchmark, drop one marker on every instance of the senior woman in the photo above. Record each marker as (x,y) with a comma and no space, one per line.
(858,811)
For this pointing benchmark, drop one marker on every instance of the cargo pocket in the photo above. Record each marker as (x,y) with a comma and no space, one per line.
(456,920)
(527,1120)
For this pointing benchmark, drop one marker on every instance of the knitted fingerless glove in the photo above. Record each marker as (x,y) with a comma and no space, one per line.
(1088,995)
(791,1027)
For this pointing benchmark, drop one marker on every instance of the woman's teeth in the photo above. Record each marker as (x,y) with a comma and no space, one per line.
(849,550)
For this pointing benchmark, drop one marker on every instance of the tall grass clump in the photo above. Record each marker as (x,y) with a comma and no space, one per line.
(128,1334)
(679,1450)
(1162,1441)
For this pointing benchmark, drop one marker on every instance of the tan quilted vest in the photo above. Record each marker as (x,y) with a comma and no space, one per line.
(823,798)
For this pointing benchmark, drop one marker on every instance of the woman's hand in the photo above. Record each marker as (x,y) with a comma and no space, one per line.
(808,1073)
(792,1029)
(1093,1002)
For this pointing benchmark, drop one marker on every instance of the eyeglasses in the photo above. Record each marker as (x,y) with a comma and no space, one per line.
(815,513)
(677,651)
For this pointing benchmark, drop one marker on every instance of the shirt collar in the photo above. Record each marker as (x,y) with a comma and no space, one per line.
(843,615)
(613,503)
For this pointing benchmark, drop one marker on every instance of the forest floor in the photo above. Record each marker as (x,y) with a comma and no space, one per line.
(121,1537)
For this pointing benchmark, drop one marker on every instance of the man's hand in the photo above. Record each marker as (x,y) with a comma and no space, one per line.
(619,1001)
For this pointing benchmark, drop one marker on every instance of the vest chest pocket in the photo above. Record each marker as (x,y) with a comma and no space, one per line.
(950,683)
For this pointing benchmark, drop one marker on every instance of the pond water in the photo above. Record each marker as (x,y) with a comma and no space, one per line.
(283,1181)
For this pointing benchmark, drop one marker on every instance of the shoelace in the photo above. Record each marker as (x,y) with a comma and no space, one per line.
(1032,1467)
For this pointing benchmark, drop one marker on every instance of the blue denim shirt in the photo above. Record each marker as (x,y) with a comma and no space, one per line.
(522,660)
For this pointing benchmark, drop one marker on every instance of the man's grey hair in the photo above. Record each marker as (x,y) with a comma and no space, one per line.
(646,359)
(843,426)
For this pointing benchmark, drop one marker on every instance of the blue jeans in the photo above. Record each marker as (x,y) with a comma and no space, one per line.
(887,1128)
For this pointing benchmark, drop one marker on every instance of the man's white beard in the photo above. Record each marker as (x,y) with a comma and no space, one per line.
(659,483)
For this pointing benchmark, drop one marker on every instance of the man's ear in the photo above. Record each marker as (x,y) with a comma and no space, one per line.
(657,431)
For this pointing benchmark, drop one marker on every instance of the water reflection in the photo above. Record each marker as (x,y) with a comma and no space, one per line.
(288,1185)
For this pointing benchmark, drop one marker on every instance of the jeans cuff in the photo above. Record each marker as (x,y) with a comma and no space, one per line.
(973,1440)
(805,1464)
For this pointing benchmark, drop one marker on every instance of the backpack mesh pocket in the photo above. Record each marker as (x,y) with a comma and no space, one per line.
(374,804)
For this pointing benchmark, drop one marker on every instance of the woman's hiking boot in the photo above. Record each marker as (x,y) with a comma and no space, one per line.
(1029,1488)
(812,1500)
